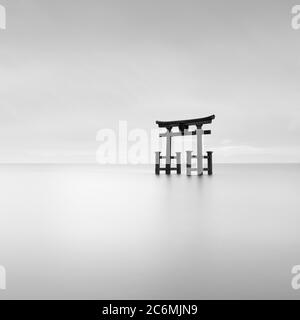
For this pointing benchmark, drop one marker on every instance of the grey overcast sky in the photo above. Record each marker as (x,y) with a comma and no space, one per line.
(69,68)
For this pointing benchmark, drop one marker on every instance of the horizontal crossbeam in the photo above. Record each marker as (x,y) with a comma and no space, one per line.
(184,133)
(164,169)
(164,157)
(195,169)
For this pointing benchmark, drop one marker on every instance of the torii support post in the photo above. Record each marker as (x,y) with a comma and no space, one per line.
(168,151)
(157,162)
(189,168)
(167,168)
(189,163)
(209,163)
(178,162)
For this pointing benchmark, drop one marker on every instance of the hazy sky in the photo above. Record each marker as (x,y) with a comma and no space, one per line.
(69,68)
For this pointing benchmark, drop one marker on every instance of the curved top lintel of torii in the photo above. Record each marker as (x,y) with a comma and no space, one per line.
(184,124)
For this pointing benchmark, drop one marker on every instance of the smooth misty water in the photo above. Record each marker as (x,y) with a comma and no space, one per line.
(102,233)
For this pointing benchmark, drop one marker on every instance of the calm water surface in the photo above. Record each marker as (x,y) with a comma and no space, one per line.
(92,232)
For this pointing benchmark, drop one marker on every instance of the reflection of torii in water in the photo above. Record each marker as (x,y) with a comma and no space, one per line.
(2,17)
(183,126)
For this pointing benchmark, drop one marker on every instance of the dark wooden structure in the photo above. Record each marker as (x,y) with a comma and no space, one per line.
(184,130)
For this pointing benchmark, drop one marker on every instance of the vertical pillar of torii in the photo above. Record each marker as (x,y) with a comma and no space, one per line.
(168,150)
(199,133)
(199,156)
(183,126)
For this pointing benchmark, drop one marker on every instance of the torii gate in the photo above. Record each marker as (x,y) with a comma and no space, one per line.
(184,126)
